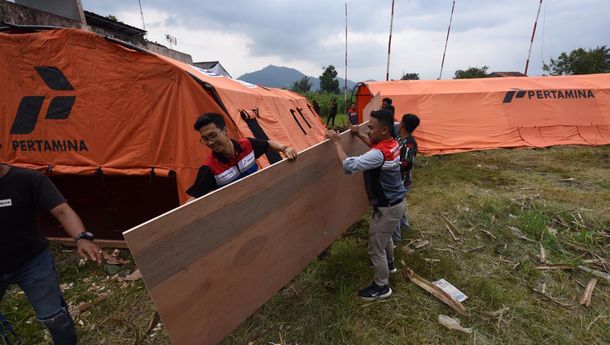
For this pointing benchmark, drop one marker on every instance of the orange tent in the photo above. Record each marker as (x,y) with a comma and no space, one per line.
(95,111)
(476,114)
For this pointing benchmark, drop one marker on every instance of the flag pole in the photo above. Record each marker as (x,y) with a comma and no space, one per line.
(529,53)
(387,73)
(345,80)
(440,75)
(142,14)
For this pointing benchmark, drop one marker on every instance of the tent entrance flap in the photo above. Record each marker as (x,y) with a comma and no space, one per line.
(101,202)
(259,133)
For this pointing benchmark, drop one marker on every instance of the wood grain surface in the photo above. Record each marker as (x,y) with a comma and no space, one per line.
(210,264)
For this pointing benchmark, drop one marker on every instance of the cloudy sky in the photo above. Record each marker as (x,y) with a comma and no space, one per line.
(247,35)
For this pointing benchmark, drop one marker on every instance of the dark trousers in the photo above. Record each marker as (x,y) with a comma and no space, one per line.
(38,279)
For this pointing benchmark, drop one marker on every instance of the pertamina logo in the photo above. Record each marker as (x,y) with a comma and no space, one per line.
(59,109)
(548,94)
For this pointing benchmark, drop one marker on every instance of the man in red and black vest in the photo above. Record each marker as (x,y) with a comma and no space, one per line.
(231,159)
(386,193)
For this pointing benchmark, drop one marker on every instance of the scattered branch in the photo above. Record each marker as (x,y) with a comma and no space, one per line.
(600,316)
(595,272)
(586,296)
(555,267)
(519,234)
(450,224)
(488,233)
(435,291)
(451,232)
(555,300)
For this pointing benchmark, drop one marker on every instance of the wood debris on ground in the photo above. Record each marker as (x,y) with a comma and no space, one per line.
(519,234)
(555,267)
(135,275)
(595,272)
(555,300)
(452,323)
(587,294)
(84,306)
(435,291)
(114,258)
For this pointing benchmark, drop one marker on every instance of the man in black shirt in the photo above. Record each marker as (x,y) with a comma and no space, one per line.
(386,103)
(24,256)
(332,113)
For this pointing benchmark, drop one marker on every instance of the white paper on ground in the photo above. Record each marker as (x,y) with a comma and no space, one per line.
(451,290)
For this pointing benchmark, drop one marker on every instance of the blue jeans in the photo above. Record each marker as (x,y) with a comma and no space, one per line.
(38,279)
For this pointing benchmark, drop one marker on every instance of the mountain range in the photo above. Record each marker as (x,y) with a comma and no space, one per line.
(284,77)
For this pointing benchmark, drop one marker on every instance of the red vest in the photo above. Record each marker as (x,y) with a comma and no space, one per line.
(242,165)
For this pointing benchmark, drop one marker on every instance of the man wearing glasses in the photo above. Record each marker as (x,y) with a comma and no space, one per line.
(231,159)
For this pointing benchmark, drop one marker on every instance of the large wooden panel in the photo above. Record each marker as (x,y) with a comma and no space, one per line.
(210,264)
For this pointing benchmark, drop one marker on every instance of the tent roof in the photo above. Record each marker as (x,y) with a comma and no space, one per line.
(475,114)
(130,110)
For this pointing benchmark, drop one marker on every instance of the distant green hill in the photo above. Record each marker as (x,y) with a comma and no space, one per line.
(283,77)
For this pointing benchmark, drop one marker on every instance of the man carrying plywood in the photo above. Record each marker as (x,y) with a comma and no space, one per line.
(231,159)
(385,190)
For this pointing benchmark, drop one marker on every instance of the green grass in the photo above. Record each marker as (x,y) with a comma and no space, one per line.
(557,197)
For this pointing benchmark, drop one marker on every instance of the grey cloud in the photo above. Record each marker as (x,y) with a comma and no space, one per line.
(295,29)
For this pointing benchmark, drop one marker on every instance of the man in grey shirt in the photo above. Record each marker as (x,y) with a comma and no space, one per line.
(385,190)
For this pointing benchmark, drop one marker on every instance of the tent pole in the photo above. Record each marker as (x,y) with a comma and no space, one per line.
(446,41)
(387,73)
(527,62)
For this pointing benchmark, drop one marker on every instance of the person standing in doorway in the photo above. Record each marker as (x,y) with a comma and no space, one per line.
(352,114)
(231,159)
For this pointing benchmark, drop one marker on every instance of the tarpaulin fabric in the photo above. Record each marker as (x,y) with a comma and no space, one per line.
(75,102)
(476,114)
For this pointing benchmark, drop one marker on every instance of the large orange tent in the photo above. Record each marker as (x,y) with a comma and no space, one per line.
(477,114)
(113,124)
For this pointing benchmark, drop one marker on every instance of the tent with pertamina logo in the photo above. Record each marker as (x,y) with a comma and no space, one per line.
(477,114)
(113,124)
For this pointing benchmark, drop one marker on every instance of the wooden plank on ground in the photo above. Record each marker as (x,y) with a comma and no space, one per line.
(210,264)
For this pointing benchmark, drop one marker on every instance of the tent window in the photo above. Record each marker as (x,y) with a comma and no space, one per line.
(311,109)
(303,116)
(259,133)
(297,121)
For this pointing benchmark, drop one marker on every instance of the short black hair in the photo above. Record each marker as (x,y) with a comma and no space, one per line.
(410,122)
(386,118)
(388,100)
(207,118)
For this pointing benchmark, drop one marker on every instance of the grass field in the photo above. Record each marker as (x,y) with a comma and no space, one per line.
(558,198)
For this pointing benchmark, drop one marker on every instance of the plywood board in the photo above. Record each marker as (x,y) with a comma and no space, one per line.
(210,264)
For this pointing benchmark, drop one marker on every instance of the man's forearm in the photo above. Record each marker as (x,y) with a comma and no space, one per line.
(275,146)
(70,221)
(288,151)
(341,155)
